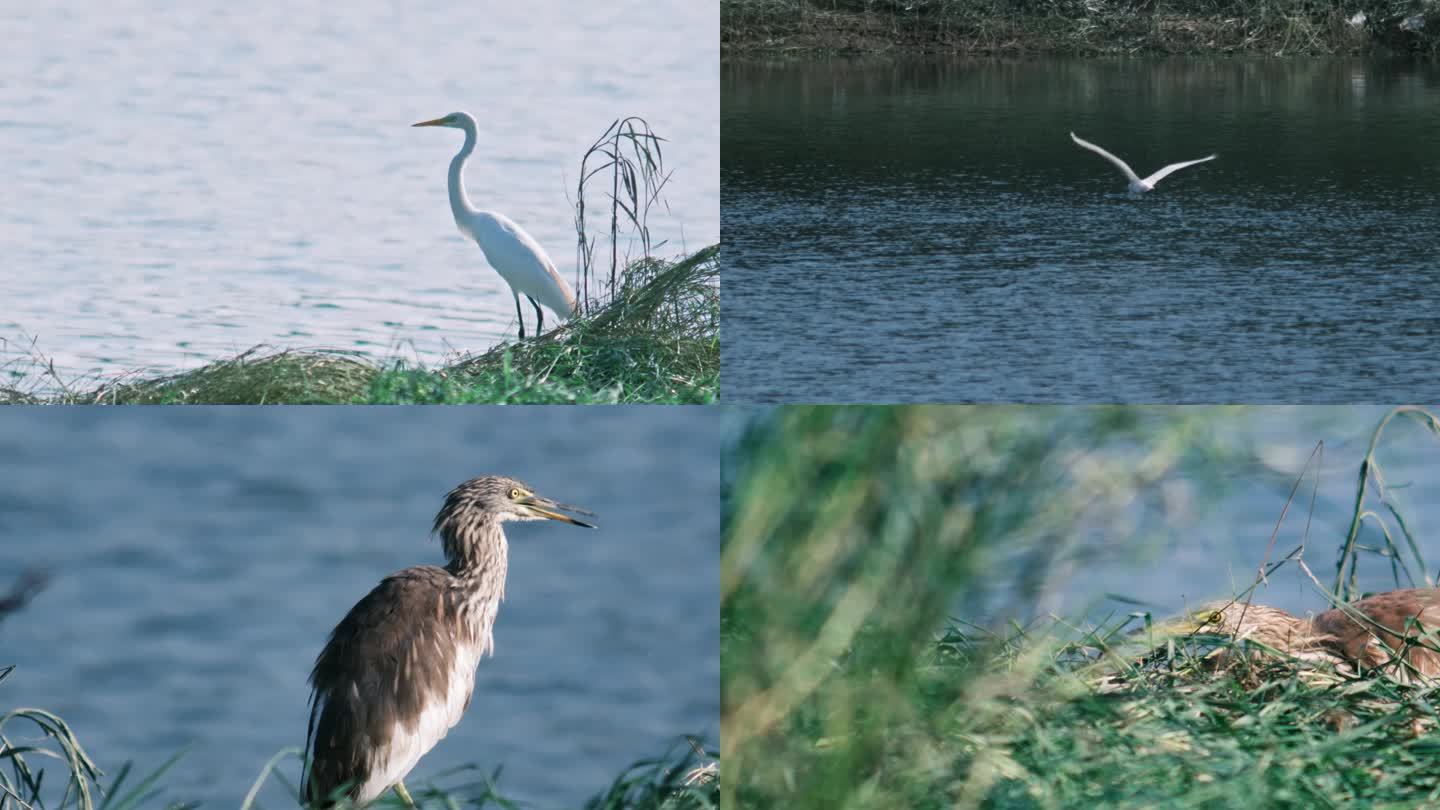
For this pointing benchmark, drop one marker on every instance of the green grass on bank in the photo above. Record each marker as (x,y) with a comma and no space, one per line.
(858,540)
(1027,720)
(657,340)
(1270,27)
(44,766)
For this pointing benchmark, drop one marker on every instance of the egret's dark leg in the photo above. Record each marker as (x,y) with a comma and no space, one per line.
(518,316)
(539,317)
(404,794)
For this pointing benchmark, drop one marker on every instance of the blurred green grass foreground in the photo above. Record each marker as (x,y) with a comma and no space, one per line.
(852,534)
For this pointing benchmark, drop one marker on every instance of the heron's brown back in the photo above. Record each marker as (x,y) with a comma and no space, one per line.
(391,654)
(1411,613)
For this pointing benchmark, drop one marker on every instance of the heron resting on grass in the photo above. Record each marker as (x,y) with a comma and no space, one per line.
(397,672)
(1393,632)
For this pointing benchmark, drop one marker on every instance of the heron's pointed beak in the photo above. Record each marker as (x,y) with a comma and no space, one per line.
(1191,624)
(548,509)
(434,122)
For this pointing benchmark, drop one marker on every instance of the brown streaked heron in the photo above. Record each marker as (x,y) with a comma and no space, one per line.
(1394,633)
(397,672)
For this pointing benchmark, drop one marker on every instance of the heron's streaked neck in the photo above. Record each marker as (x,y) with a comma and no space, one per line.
(459,201)
(478,556)
(476,550)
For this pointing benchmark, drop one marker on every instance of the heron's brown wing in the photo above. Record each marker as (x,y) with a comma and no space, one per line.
(375,671)
(1402,612)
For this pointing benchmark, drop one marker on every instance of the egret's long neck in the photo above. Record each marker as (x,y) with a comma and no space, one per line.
(459,201)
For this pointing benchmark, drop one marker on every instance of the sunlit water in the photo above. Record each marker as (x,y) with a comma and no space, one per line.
(183,184)
(926,230)
(199,558)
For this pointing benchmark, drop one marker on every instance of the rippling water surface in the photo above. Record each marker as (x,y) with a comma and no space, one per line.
(925,230)
(199,557)
(186,184)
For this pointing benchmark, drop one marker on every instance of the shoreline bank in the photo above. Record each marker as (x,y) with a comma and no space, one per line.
(657,340)
(1283,28)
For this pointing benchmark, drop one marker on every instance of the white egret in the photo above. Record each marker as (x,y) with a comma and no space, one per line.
(514,254)
(1138,185)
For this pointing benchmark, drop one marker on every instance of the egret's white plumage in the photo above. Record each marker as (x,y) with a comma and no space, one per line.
(1137,184)
(514,254)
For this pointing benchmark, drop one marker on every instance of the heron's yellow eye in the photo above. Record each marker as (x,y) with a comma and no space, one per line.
(514,494)
(1214,617)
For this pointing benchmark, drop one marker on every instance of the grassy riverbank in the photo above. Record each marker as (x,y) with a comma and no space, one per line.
(1026,720)
(844,684)
(657,341)
(1268,27)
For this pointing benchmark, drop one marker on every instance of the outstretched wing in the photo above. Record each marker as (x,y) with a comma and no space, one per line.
(1173,167)
(1120,164)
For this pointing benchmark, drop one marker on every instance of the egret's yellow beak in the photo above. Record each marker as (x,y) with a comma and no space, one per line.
(434,122)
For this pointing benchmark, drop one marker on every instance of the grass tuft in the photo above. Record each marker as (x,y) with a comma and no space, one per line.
(630,151)
(656,340)
(23,781)
(672,782)
(260,376)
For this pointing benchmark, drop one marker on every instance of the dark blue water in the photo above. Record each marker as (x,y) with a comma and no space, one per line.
(926,231)
(200,556)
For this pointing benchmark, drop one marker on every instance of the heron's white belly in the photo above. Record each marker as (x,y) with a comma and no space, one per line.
(391,762)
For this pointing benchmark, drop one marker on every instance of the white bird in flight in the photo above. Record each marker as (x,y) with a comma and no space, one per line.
(1137,185)
(514,254)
